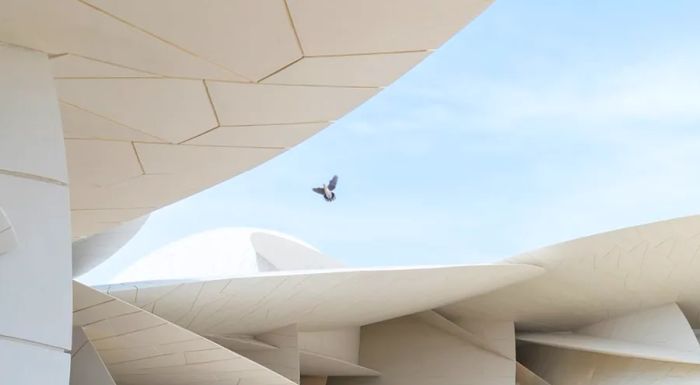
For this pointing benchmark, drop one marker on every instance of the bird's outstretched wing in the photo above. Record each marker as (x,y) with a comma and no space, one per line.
(318,190)
(333,182)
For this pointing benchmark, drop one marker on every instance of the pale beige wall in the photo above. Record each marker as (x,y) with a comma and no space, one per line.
(524,376)
(35,272)
(570,367)
(408,351)
(87,367)
(313,380)
(661,333)
(283,360)
(499,336)
(343,344)
(663,326)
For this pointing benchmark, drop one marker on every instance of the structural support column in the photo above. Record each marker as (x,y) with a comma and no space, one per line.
(35,273)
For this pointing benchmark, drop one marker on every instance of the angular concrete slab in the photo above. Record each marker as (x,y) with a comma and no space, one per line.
(611,347)
(369,70)
(327,299)
(141,348)
(87,368)
(319,365)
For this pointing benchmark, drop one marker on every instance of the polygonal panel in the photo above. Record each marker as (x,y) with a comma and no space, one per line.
(407,351)
(143,191)
(69,26)
(178,171)
(661,333)
(523,376)
(283,360)
(315,364)
(601,276)
(343,344)
(121,324)
(324,300)
(571,367)
(374,70)
(143,349)
(100,311)
(30,121)
(277,135)
(81,124)
(40,219)
(489,336)
(86,366)
(663,326)
(240,343)
(252,38)
(365,26)
(22,363)
(172,308)
(246,104)
(207,162)
(72,66)
(100,163)
(181,170)
(172,109)
(575,341)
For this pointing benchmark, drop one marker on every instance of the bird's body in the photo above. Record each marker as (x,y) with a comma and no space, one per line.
(328,194)
(327,190)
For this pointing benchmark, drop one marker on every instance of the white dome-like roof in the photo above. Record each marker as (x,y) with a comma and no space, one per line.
(226,252)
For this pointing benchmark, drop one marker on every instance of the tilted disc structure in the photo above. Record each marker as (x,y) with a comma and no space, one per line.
(111,109)
(614,308)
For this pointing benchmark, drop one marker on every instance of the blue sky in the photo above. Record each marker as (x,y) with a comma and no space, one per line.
(540,122)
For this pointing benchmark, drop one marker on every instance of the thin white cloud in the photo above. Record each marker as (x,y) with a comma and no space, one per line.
(662,90)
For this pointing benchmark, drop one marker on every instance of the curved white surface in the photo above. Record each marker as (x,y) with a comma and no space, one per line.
(316,300)
(661,333)
(92,251)
(225,252)
(8,238)
(608,346)
(563,366)
(35,258)
(437,321)
(343,344)
(591,279)
(287,253)
(242,343)
(315,364)
(612,290)
(141,348)
(406,350)
(86,366)
(664,326)
(162,99)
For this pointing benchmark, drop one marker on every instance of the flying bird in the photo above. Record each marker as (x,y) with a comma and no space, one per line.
(327,191)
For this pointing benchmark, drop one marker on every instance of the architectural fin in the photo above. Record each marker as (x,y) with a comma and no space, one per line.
(283,360)
(87,368)
(661,333)
(524,376)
